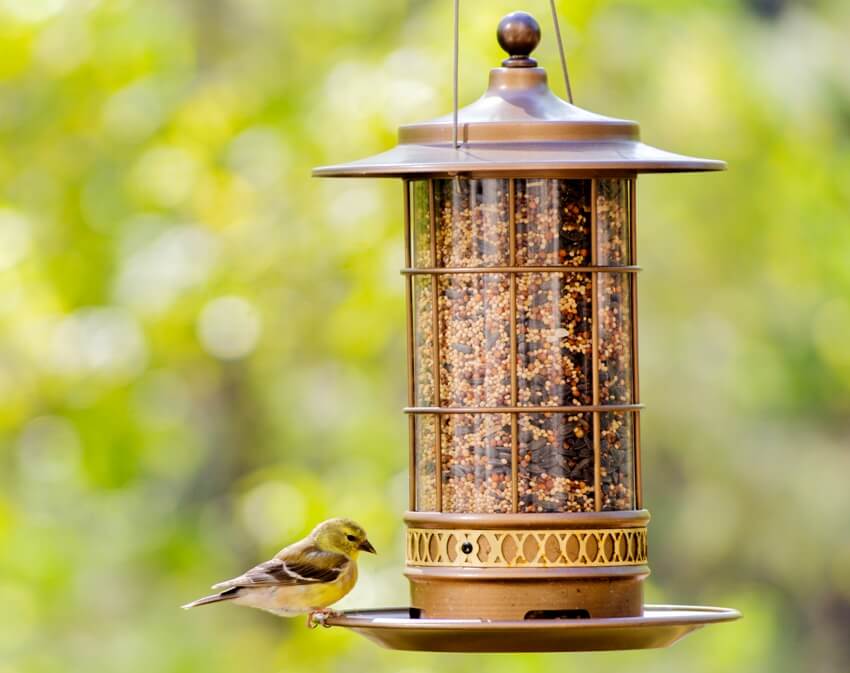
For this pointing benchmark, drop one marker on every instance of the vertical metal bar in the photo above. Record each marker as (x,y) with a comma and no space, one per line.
(435,320)
(635,368)
(411,370)
(512,331)
(594,302)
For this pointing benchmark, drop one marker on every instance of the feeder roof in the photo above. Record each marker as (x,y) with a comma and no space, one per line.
(518,127)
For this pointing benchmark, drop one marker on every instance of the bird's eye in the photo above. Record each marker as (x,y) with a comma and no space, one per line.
(351,538)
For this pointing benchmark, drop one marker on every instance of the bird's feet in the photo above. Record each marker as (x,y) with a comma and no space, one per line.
(319,618)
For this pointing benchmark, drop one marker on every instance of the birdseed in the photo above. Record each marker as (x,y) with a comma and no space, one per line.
(554,341)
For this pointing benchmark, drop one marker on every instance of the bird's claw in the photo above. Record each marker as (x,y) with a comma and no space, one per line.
(319,618)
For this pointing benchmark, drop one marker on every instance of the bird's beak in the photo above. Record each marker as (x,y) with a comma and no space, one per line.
(367,546)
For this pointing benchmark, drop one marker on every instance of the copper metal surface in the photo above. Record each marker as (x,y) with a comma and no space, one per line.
(514,365)
(518,34)
(424,271)
(594,328)
(502,150)
(590,408)
(510,593)
(519,126)
(435,306)
(635,348)
(501,566)
(527,577)
(411,381)
(522,548)
(659,626)
(570,520)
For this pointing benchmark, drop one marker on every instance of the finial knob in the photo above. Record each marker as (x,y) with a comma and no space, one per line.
(519,35)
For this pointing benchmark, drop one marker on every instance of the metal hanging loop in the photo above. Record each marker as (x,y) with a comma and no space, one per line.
(456,63)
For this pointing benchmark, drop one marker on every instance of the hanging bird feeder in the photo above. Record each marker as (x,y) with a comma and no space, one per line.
(526,529)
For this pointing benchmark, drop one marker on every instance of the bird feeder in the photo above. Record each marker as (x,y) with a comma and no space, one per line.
(526,529)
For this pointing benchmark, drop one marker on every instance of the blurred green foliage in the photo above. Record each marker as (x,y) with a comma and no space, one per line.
(201,346)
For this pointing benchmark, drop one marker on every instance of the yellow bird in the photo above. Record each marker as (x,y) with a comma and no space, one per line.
(304,578)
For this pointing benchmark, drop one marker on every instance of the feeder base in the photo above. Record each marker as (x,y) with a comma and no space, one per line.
(515,594)
(401,629)
(515,566)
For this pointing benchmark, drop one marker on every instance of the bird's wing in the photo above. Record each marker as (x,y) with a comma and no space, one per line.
(293,566)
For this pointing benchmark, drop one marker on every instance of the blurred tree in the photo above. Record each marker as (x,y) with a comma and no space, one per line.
(200,346)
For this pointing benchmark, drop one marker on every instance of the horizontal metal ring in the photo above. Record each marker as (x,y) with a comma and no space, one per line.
(495,270)
(590,408)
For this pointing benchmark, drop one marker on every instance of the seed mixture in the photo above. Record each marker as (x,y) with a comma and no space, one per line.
(476,463)
(612,223)
(555,463)
(426,464)
(616,446)
(554,325)
(477,213)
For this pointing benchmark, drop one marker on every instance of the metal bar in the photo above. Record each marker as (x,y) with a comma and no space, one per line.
(635,367)
(589,408)
(411,372)
(512,331)
(519,269)
(435,325)
(512,223)
(561,50)
(456,62)
(594,299)
(541,174)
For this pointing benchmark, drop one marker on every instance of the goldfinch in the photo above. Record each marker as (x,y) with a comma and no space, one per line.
(304,578)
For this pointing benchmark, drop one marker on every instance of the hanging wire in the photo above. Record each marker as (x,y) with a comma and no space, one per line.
(455,143)
(561,50)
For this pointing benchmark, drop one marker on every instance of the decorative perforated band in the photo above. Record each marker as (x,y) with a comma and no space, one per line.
(526,548)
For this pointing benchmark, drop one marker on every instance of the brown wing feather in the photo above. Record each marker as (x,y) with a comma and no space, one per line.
(298,564)
(315,573)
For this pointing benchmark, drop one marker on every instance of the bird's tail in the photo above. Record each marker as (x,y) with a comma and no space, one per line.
(228,595)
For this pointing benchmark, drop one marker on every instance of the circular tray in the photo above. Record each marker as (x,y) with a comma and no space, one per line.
(660,626)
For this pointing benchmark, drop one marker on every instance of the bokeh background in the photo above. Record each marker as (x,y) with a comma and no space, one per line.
(202,347)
